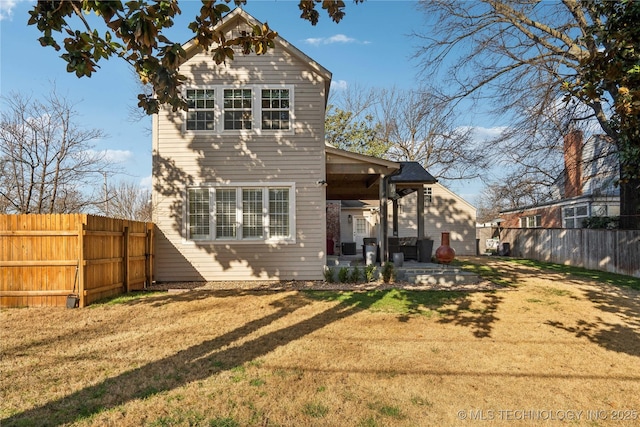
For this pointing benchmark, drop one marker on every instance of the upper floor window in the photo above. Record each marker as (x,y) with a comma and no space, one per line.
(238,113)
(227,109)
(201,115)
(531,221)
(247,212)
(572,216)
(275,108)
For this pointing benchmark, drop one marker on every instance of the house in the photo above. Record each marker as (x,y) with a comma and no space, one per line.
(444,211)
(587,188)
(241,180)
(236,179)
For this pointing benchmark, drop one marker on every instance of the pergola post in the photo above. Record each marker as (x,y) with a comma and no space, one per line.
(420,209)
(384,217)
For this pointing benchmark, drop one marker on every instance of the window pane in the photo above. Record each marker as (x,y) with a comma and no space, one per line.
(581,211)
(226,213)
(252,223)
(279,212)
(568,211)
(198,213)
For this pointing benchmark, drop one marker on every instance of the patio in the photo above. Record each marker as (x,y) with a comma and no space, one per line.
(432,275)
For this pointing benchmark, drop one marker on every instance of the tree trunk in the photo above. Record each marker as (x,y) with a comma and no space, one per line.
(630,204)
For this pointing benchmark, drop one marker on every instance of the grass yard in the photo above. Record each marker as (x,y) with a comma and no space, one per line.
(555,346)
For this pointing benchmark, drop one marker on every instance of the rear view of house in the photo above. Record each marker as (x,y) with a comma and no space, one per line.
(237,179)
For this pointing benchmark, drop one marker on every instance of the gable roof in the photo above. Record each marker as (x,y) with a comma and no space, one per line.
(233,18)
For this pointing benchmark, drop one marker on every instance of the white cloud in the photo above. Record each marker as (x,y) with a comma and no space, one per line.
(339,84)
(6,8)
(118,155)
(115,156)
(145,183)
(482,133)
(338,38)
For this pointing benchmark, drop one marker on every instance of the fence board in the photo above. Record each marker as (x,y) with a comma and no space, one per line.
(614,251)
(42,257)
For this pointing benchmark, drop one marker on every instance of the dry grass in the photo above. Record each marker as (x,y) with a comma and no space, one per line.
(549,345)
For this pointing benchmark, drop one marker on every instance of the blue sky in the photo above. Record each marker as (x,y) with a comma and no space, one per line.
(371,47)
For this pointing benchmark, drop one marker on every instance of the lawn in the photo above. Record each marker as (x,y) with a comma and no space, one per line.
(552,347)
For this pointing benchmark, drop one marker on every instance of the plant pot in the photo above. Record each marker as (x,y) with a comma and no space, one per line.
(445,253)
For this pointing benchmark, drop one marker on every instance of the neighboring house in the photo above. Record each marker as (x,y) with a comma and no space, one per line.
(585,189)
(444,211)
(241,180)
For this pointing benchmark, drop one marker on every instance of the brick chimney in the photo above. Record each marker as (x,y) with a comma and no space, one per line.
(573,164)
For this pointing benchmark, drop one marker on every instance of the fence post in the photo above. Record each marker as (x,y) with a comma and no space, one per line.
(148,265)
(81,265)
(127,285)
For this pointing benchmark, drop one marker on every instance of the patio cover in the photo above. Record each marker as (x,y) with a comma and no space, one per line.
(352,176)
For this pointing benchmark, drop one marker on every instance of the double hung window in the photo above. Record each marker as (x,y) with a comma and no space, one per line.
(246,213)
(275,108)
(201,115)
(238,113)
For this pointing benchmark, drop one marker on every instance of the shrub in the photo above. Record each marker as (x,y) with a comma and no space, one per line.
(343,275)
(328,275)
(355,275)
(388,272)
(370,273)
(607,222)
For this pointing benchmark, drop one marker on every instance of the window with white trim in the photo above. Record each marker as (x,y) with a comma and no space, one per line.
(531,221)
(246,213)
(572,216)
(199,214)
(219,109)
(428,195)
(275,108)
(201,115)
(238,113)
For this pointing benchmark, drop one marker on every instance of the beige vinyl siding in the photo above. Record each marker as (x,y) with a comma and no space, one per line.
(446,212)
(191,159)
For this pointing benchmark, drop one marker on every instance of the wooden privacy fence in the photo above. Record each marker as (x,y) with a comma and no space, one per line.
(615,251)
(43,258)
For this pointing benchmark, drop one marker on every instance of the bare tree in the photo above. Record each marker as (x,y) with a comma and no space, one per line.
(526,58)
(419,126)
(47,160)
(128,200)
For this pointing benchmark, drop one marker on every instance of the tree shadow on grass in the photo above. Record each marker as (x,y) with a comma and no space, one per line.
(622,336)
(458,308)
(479,317)
(195,363)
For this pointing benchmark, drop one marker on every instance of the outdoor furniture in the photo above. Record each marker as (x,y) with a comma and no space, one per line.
(348,248)
(408,246)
